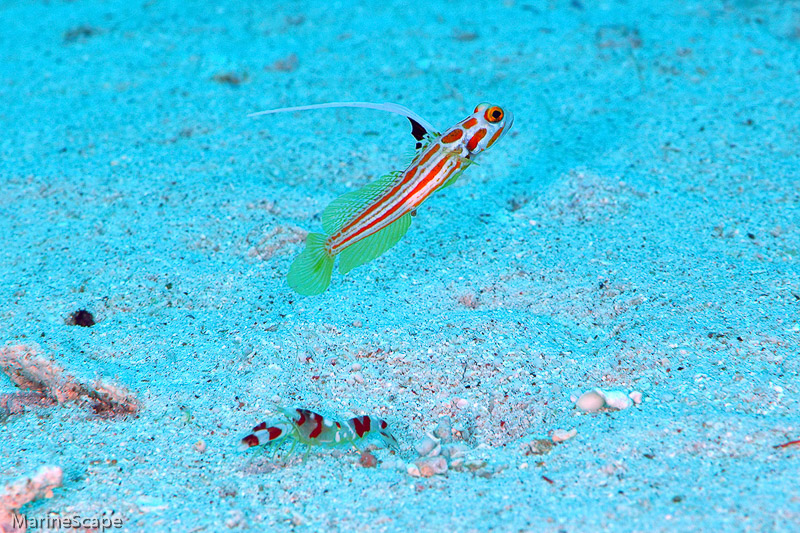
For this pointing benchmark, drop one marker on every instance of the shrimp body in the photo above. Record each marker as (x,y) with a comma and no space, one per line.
(361,225)
(303,426)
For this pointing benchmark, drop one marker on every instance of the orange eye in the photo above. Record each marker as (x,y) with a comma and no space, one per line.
(493,114)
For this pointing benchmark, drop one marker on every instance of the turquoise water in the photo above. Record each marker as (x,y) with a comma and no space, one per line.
(637,231)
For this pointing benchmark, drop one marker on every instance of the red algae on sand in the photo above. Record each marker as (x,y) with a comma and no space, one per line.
(31,370)
(24,490)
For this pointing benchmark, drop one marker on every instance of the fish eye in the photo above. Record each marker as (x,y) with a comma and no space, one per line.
(493,114)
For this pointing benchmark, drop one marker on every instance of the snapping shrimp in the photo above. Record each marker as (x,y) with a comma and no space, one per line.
(302,426)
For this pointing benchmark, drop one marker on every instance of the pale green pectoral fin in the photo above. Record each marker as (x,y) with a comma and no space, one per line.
(466,163)
(452,179)
(373,246)
(310,272)
(340,211)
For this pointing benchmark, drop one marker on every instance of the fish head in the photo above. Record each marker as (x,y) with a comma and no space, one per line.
(479,131)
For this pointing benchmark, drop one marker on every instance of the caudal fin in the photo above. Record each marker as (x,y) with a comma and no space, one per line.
(310,273)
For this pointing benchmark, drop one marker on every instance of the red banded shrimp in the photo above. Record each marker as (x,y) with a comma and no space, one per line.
(303,426)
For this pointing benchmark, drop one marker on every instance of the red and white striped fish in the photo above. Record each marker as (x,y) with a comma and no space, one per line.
(303,426)
(361,225)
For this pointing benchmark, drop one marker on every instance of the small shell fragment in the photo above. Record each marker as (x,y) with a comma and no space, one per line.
(597,399)
(368,460)
(474,465)
(413,470)
(560,435)
(444,429)
(428,467)
(591,401)
(454,451)
(428,446)
(617,400)
(537,447)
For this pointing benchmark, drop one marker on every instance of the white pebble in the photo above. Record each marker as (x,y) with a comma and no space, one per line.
(474,464)
(413,470)
(591,401)
(461,403)
(427,445)
(596,399)
(444,429)
(560,435)
(431,466)
(636,396)
(617,400)
(453,451)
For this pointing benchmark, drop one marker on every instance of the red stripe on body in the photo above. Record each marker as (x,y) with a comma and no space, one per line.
(428,155)
(425,181)
(261,427)
(494,137)
(250,440)
(432,173)
(406,178)
(380,204)
(397,205)
(361,425)
(475,139)
(318,428)
(452,136)
(443,180)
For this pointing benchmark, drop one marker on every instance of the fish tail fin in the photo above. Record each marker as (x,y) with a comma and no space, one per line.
(310,273)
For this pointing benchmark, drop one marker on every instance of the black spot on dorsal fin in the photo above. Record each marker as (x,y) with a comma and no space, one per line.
(418,131)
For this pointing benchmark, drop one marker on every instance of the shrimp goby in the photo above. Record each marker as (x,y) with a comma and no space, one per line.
(302,426)
(363,224)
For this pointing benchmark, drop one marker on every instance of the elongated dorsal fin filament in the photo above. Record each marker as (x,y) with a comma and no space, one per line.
(417,122)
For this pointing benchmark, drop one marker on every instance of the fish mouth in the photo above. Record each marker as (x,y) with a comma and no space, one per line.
(509,123)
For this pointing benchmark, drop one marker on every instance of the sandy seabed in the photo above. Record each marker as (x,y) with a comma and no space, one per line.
(637,232)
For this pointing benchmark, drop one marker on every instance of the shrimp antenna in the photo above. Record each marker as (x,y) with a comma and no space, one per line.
(419,126)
